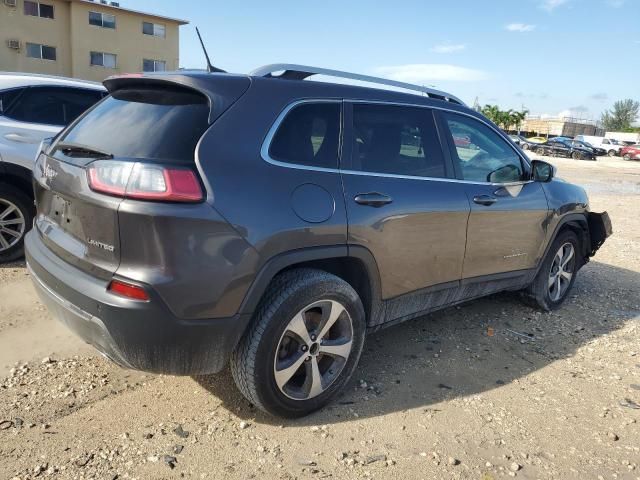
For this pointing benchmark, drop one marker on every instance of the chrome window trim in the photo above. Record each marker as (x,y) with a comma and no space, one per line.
(500,134)
(266,144)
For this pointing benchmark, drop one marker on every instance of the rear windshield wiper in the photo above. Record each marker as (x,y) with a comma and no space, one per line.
(83,151)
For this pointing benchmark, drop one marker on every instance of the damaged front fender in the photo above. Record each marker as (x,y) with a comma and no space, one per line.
(599,230)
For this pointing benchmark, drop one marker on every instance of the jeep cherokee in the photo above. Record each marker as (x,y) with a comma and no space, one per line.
(193,219)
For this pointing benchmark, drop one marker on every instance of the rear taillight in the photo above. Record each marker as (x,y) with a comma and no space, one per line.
(144,181)
(128,290)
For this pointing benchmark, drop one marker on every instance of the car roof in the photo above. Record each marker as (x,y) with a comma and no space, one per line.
(15,80)
(210,84)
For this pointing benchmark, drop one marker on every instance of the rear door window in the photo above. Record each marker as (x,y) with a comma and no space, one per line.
(8,97)
(162,124)
(396,140)
(52,105)
(309,136)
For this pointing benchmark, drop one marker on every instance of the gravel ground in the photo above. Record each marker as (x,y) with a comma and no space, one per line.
(544,396)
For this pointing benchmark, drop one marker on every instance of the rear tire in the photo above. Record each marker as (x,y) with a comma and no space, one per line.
(524,146)
(541,151)
(16,218)
(288,364)
(611,153)
(552,284)
(576,156)
(626,156)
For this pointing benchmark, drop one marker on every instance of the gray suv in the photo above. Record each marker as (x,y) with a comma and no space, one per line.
(190,220)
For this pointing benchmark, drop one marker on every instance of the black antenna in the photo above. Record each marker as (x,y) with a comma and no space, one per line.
(210,68)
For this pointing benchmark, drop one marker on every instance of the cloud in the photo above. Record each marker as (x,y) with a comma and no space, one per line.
(577,111)
(448,48)
(541,96)
(520,27)
(599,96)
(429,72)
(551,5)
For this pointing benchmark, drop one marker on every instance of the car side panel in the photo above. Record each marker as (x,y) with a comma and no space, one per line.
(257,197)
(564,200)
(507,235)
(19,140)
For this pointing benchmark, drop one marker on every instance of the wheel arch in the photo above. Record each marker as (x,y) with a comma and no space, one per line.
(354,264)
(576,223)
(17,176)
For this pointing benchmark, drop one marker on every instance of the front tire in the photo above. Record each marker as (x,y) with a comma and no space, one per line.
(303,346)
(557,273)
(626,156)
(611,153)
(16,218)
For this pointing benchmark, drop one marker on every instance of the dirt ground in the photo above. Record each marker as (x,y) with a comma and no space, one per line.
(546,396)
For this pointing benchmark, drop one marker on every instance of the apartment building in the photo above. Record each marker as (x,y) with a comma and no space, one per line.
(85,39)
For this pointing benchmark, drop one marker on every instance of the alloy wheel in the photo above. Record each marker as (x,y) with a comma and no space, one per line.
(313,350)
(12,224)
(561,273)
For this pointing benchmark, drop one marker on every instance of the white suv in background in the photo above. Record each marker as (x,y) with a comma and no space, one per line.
(32,108)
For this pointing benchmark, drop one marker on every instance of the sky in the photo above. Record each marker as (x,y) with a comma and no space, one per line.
(552,57)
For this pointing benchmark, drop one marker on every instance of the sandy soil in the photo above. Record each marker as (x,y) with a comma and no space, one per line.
(547,396)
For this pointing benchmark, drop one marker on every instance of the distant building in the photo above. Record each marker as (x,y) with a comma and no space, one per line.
(85,39)
(564,126)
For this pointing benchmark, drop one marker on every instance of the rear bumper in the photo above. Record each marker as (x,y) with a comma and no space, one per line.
(139,335)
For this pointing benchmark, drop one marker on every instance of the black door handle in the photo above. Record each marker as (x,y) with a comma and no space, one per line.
(484,200)
(373,199)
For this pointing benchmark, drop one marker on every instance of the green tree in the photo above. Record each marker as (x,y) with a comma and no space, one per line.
(492,112)
(621,116)
(505,119)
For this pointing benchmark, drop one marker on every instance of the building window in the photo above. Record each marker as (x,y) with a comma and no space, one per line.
(43,52)
(155,29)
(36,9)
(103,20)
(153,65)
(101,59)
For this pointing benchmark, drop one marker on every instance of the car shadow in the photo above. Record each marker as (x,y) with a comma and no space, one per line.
(16,264)
(465,350)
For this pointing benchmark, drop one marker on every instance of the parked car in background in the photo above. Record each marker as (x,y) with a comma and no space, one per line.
(631,152)
(599,152)
(609,145)
(347,209)
(522,142)
(565,148)
(462,140)
(536,139)
(624,137)
(32,107)
(560,138)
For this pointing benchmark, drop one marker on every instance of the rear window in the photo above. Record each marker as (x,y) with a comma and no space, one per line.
(8,97)
(145,123)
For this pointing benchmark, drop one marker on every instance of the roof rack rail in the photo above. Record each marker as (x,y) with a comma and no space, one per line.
(300,72)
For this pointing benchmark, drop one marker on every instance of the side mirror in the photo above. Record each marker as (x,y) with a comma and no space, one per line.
(542,171)
(505,174)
